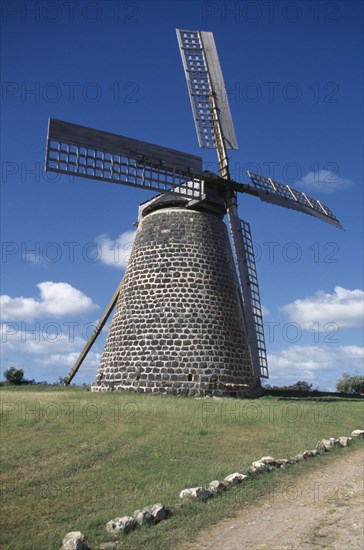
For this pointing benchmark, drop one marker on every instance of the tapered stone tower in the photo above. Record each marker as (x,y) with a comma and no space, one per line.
(178,326)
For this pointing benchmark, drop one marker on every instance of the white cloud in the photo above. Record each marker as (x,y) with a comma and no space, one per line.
(319,365)
(116,252)
(40,339)
(343,307)
(52,346)
(323,181)
(68,360)
(56,300)
(59,359)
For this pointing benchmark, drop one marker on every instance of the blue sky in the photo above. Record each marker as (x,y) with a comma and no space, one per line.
(293,71)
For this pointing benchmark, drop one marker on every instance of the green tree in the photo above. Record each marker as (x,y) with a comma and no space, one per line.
(14,376)
(350,383)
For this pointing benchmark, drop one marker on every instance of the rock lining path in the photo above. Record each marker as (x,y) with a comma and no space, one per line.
(323,509)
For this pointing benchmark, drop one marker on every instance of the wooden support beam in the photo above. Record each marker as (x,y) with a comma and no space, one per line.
(100,325)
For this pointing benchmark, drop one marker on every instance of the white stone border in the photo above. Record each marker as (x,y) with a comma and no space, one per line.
(150,515)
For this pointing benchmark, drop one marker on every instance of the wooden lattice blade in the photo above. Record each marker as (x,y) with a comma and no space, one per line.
(249,288)
(276,193)
(93,154)
(206,88)
(252,304)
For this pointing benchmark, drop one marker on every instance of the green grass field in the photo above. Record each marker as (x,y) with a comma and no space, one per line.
(73,460)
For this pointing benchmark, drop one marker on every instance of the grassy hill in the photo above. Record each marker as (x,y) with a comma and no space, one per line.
(73,460)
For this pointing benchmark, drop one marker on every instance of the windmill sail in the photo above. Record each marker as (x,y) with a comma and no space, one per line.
(245,259)
(206,89)
(93,154)
(271,191)
(254,315)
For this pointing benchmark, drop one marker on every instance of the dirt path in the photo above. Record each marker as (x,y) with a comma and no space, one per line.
(322,509)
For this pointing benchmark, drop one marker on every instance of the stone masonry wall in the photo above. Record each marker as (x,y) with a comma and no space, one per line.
(178,325)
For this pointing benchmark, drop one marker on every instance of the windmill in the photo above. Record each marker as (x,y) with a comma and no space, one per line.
(182,259)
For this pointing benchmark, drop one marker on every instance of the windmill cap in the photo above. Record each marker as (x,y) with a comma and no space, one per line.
(213,203)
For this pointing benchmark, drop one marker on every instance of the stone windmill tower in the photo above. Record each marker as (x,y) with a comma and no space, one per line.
(188,318)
